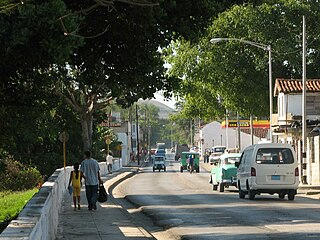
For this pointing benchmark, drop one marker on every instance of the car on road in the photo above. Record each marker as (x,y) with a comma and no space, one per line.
(224,173)
(216,152)
(159,163)
(268,168)
(184,161)
(161,152)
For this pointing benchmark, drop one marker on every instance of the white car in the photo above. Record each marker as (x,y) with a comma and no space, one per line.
(214,157)
(268,168)
(216,152)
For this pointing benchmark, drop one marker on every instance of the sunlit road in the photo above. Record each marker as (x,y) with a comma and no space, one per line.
(185,204)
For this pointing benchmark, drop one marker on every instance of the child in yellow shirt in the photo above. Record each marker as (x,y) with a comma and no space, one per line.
(75,179)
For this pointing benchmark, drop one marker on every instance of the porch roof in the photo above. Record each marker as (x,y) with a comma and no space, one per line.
(295,85)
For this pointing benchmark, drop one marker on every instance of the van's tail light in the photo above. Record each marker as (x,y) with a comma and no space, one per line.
(296,172)
(253,172)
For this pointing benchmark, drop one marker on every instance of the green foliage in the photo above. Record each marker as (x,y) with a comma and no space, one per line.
(15,176)
(37,62)
(235,74)
(11,203)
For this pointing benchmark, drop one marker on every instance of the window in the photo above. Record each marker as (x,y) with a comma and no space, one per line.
(274,156)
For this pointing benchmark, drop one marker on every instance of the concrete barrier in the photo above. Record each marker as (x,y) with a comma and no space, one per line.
(39,218)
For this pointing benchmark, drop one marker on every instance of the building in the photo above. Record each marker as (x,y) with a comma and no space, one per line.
(287,122)
(216,133)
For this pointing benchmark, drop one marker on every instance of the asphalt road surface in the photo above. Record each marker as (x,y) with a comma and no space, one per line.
(185,205)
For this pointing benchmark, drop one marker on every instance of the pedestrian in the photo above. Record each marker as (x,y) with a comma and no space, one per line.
(191,162)
(76,185)
(109,160)
(90,171)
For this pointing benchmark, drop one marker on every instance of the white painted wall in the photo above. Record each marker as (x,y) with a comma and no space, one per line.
(123,137)
(214,134)
(294,104)
(39,218)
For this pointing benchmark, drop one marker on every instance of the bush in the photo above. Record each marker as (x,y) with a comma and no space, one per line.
(14,176)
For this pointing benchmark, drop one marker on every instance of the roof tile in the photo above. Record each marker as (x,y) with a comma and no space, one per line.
(295,85)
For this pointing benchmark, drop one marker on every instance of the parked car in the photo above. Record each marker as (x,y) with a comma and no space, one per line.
(268,168)
(159,163)
(184,161)
(216,152)
(224,173)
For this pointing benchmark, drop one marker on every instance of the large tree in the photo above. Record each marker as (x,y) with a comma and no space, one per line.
(84,53)
(237,74)
(120,59)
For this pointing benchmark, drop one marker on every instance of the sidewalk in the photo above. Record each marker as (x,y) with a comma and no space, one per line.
(109,221)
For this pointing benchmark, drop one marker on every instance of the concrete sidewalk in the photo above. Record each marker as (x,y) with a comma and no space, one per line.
(109,221)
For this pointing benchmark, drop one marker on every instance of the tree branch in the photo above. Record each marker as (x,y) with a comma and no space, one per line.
(100,3)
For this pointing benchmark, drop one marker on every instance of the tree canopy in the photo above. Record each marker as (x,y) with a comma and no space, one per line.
(83,54)
(235,75)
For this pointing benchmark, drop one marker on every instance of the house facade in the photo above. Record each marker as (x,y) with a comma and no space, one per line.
(287,122)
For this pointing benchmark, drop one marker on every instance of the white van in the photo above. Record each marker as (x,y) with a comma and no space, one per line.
(268,168)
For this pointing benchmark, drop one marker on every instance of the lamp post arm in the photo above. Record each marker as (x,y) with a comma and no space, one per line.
(259,45)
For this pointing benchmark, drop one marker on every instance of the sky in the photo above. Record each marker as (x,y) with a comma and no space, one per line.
(159,97)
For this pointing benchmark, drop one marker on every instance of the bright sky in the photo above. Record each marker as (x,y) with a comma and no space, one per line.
(159,97)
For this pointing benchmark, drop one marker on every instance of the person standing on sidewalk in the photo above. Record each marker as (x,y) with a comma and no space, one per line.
(109,159)
(90,171)
(76,185)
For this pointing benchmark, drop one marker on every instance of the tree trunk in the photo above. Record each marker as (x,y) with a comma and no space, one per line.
(86,125)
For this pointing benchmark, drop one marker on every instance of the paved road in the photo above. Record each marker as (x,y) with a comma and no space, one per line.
(186,205)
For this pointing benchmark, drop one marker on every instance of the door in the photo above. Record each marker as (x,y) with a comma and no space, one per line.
(275,166)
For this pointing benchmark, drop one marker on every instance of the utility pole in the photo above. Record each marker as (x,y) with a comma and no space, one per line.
(304,109)
(239,132)
(137,130)
(251,129)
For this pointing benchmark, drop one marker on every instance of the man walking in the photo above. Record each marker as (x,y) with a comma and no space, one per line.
(109,162)
(90,171)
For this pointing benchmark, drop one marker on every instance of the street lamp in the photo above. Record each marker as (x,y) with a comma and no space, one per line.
(266,48)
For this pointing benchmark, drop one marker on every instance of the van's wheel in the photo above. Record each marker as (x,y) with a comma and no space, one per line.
(181,169)
(291,195)
(214,187)
(242,194)
(221,187)
(281,195)
(251,194)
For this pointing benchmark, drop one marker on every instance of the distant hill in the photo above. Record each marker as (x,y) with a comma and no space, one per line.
(164,110)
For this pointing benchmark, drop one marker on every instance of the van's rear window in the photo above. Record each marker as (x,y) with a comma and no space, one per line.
(274,156)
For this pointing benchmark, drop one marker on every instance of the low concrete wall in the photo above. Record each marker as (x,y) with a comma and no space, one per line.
(39,218)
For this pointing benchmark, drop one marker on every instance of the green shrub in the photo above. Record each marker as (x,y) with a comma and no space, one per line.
(14,176)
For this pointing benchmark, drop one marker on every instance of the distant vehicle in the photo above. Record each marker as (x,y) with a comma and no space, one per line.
(170,156)
(179,149)
(159,163)
(216,152)
(231,150)
(224,173)
(161,145)
(219,149)
(268,168)
(161,152)
(184,161)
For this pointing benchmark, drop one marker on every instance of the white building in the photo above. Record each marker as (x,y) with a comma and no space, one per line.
(213,134)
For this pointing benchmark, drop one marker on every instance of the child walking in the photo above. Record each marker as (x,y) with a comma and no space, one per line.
(75,179)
